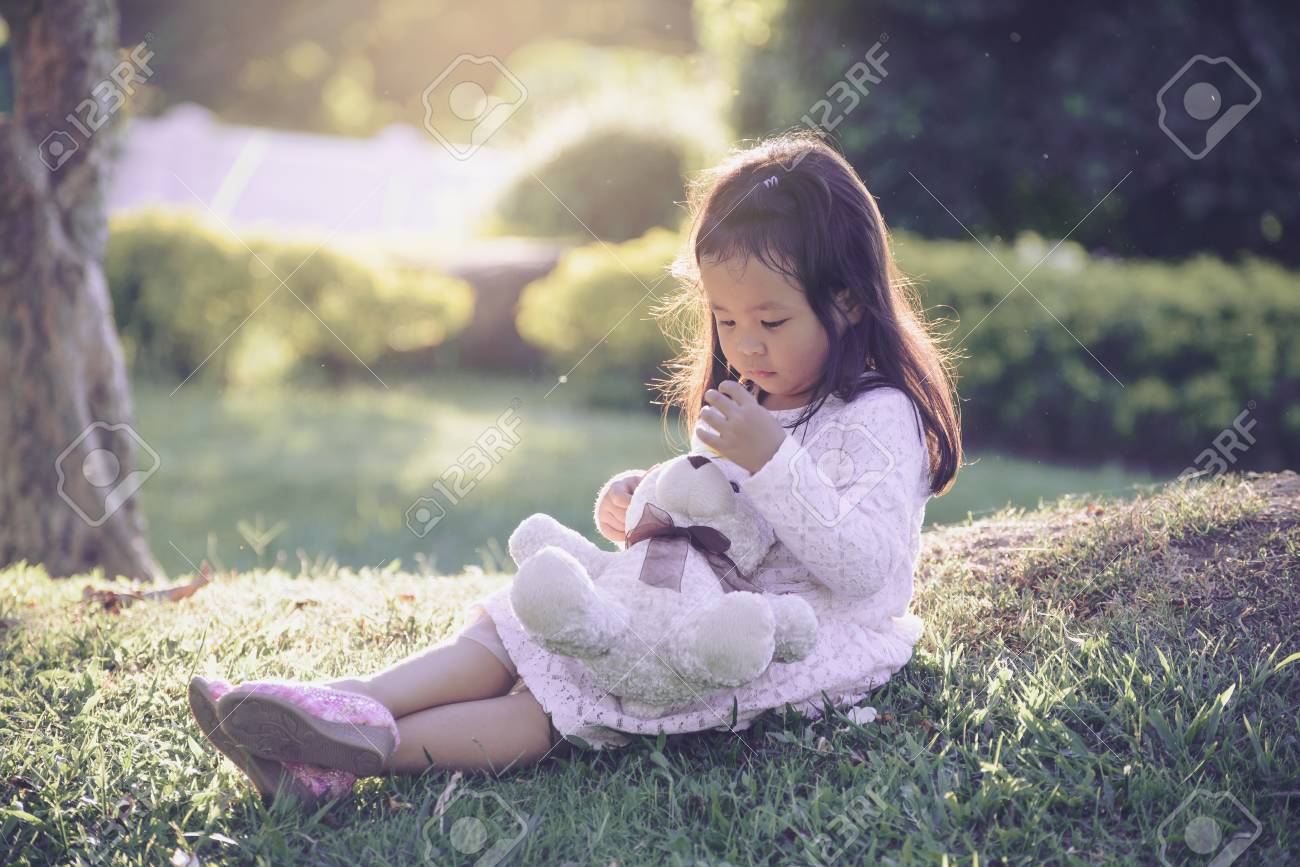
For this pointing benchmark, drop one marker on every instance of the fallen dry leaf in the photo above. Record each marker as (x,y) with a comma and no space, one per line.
(114,600)
(396,804)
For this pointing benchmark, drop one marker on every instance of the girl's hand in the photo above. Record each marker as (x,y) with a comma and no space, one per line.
(613,509)
(747,434)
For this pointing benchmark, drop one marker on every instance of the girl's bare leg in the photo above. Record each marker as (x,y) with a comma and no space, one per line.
(451,702)
(461,671)
(491,734)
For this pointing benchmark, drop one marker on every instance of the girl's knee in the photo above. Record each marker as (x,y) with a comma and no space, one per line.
(352,684)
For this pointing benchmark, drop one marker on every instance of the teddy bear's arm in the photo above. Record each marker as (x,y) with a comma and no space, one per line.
(540,530)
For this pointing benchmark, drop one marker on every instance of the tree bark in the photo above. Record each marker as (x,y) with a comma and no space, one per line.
(70,462)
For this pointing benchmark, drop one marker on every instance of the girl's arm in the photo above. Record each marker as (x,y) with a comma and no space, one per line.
(843,498)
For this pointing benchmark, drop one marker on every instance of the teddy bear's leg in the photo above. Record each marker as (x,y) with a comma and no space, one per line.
(730,642)
(554,600)
(796,627)
(539,530)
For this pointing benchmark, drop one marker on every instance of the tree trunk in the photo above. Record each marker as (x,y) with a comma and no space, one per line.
(70,462)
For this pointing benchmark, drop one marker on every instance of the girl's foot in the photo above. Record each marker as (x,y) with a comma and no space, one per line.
(311,724)
(310,786)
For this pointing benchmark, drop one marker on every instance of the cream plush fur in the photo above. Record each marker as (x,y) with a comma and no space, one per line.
(655,648)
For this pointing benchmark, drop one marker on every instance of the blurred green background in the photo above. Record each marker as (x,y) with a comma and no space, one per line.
(432,281)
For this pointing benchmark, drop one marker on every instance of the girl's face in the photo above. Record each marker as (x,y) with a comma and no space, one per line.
(768,331)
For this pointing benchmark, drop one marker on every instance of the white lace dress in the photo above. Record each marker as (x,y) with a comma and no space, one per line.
(846,496)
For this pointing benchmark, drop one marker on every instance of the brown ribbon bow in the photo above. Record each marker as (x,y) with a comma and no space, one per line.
(665,561)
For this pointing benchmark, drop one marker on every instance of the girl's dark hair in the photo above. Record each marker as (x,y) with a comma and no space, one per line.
(818,225)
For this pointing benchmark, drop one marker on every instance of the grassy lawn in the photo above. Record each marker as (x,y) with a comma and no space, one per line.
(1090,680)
(335,472)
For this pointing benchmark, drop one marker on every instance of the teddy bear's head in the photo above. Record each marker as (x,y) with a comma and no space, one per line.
(694,489)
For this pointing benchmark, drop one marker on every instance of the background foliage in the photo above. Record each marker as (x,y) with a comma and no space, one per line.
(1022,115)
(1174,351)
(179,286)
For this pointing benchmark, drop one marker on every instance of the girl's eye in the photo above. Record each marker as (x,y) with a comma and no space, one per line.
(726,322)
(774,324)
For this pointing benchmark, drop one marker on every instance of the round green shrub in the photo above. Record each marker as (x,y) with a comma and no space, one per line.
(618,183)
(591,316)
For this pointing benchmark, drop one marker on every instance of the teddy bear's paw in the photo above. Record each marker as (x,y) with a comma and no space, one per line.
(556,603)
(550,591)
(796,627)
(735,639)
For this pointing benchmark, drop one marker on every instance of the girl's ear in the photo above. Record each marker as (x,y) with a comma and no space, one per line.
(854,313)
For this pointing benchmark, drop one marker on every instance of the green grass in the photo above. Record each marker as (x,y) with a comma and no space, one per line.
(1084,672)
(335,471)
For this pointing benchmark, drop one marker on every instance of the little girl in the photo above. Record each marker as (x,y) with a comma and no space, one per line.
(848,425)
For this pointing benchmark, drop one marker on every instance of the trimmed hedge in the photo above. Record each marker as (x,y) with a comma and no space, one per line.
(181,287)
(1191,345)
(1167,355)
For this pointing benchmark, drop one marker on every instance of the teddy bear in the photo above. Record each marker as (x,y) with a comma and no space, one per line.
(673,614)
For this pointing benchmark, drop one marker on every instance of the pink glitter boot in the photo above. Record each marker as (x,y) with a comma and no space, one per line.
(309,785)
(310,724)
